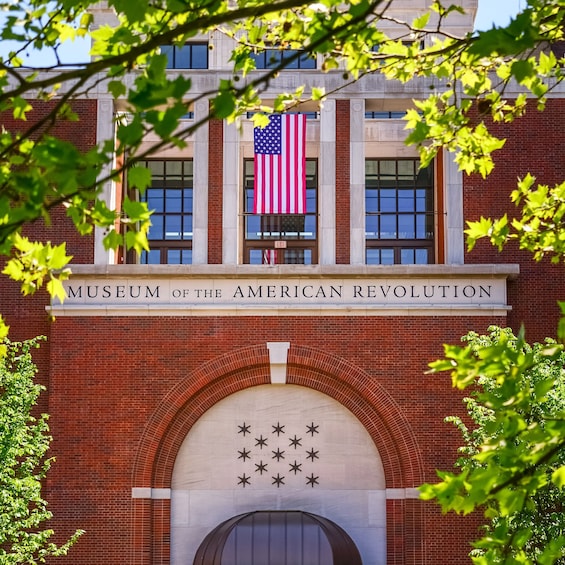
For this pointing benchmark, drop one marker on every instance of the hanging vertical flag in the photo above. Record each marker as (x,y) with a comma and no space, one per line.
(269,257)
(280,165)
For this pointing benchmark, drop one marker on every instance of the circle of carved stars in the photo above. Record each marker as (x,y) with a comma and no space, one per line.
(295,442)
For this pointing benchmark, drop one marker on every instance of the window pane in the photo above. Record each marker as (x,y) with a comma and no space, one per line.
(151,257)
(407,256)
(173,227)
(187,201)
(286,55)
(371,200)
(155,199)
(424,177)
(310,228)
(255,257)
(406,200)
(174,170)
(421,257)
(259,59)
(253,227)
(168,51)
(157,168)
(387,170)
(173,257)
(199,56)
(182,57)
(310,201)
(295,257)
(388,227)
(156,228)
(272,58)
(406,170)
(387,200)
(373,256)
(421,200)
(173,201)
(307,62)
(406,226)
(371,226)
(421,227)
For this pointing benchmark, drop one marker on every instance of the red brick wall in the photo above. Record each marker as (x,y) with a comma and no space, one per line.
(120,408)
(83,134)
(534,144)
(342,182)
(215,191)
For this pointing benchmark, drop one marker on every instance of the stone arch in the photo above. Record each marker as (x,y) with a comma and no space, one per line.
(240,369)
(250,366)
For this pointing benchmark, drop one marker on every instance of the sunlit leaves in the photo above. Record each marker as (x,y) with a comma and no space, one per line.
(539,227)
(35,262)
(514,455)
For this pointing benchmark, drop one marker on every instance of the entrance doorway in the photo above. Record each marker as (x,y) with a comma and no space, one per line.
(277,538)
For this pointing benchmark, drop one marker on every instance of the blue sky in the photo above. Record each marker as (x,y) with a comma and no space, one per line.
(490,12)
(497,12)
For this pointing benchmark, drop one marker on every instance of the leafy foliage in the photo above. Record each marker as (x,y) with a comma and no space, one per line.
(513,462)
(540,228)
(24,442)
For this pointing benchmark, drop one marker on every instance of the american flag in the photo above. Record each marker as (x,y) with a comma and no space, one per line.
(280,165)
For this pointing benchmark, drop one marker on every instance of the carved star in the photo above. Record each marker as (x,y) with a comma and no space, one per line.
(312,454)
(278,429)
(244,480)
(295,442)
(261,441)
(244,454)
(261,467)
(244,429)
(312,480)
(312,429)
(278,480)
(278,454)
(295,467)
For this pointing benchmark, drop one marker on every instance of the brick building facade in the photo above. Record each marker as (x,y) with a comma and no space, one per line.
(181,395)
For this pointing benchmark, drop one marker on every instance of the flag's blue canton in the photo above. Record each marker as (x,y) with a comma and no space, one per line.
(268,140)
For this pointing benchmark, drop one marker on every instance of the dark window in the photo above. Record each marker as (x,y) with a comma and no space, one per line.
(385,115)
(187,56)
(406,42)
(282,238)
(399,212)
(309,115)
(170,199)
(272,58)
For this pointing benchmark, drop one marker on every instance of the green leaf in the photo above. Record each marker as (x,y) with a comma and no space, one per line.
(139,177)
